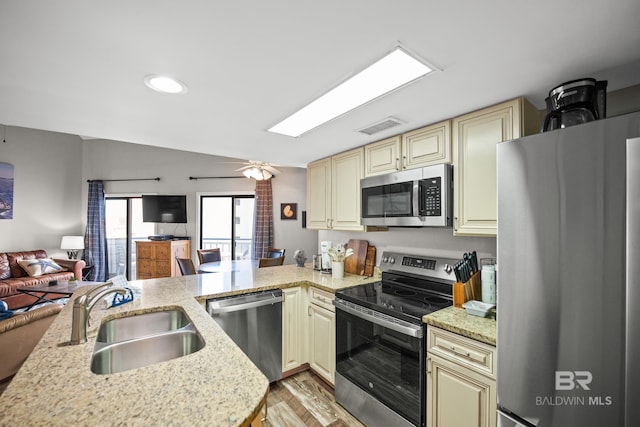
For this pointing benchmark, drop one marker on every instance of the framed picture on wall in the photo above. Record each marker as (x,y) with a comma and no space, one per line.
(6,191)
(288,211)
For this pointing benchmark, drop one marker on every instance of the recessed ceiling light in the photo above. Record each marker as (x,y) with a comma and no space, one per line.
(395,70)
(165,84)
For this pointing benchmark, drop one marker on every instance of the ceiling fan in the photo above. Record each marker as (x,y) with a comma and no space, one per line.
(258,170)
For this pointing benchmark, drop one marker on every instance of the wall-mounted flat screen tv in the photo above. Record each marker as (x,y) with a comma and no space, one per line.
(168,209)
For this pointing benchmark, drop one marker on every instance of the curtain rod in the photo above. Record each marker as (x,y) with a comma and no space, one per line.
(195,178)
(132,179)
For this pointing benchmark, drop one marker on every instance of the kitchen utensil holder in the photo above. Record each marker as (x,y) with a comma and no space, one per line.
(467,291)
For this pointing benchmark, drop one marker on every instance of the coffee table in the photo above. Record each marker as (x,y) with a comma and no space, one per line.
(63,290)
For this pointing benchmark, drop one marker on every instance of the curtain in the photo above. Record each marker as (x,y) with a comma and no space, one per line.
(263,227)
(95,238)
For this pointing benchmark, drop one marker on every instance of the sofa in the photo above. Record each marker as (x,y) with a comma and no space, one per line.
(18,269)
(19,335)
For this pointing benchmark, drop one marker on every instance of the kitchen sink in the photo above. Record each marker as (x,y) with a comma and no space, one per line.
(141,325)
(145,339)
(136,353)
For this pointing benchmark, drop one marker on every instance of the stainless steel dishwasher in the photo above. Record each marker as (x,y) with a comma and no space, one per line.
(254,323)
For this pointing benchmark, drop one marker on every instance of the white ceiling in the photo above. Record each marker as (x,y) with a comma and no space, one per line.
(78,66)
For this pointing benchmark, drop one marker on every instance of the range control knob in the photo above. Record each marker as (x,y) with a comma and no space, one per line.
(384,259)
(448,269)
(392,260)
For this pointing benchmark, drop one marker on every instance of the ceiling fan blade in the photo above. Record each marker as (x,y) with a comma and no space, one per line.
(244,167)
(271,169)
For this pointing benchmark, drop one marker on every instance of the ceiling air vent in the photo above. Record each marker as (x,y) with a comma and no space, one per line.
(387,123)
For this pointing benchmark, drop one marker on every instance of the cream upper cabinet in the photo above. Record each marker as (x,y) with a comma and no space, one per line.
(461,382)
(427,146)
(383,156)
(475,137)
(333,192)
(293,328)
(319,194)
(322,334)
(346,172)
(421,147)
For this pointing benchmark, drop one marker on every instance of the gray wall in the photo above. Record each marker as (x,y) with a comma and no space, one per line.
(50,187)
(104,159)
(47,189)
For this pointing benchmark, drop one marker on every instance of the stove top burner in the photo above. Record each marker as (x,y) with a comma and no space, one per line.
(408,301)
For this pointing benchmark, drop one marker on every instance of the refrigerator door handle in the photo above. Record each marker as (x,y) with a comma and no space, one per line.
(508,420)
(632,392)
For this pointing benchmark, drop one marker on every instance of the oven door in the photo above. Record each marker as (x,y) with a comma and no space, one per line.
(383,356)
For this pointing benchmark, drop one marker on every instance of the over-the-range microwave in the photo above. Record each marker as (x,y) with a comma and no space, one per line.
(413,198)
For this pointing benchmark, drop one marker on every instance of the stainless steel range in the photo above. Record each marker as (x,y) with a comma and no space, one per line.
(380,339)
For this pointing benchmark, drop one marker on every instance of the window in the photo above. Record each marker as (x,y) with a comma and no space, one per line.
(226,222)
(123,227)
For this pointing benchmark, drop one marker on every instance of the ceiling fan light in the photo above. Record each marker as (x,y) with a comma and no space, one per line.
(257,173)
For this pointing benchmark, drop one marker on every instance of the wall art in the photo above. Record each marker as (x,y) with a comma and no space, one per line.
(6,191)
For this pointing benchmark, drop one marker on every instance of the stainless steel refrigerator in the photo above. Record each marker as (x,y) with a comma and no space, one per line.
(568,280)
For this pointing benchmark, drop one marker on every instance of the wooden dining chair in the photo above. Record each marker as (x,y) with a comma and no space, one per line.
(186,266)
(270,262)
(209,255)
(274,253)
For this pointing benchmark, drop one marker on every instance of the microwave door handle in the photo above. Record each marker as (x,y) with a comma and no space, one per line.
(416,199)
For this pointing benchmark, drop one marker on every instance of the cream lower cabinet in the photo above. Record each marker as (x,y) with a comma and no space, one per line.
(322,334)
(461,382)
(333,192)
(475,137)
(293,328)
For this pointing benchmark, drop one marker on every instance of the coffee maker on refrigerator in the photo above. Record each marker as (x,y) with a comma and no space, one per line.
(575,102)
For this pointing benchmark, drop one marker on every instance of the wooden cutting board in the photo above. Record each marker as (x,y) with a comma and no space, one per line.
(354,264)
(370,261)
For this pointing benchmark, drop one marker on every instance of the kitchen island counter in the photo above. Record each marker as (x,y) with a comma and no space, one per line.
(457,320)
(217,385)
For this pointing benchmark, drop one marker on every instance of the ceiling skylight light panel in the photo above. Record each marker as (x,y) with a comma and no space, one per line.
(391,72)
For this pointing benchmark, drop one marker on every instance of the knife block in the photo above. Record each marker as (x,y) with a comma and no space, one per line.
(466,291)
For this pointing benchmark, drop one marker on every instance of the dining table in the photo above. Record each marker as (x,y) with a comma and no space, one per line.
(236,265)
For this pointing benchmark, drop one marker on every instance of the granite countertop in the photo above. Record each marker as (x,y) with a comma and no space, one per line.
(217,385)
(457,320)
(242,281)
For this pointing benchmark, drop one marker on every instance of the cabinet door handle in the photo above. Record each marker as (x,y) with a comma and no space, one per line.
(460,352)
(309,311)
(397,164)
(404,162)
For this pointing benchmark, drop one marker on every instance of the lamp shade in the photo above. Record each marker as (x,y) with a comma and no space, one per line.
(72,242)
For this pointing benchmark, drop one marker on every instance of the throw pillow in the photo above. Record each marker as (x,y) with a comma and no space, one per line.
(38,267)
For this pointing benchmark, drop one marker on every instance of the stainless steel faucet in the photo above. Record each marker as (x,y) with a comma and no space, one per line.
(82,306)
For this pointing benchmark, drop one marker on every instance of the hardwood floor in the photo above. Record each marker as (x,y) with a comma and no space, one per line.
(304,400)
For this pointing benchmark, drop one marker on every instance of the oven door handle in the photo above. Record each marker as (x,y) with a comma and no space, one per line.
(388,322)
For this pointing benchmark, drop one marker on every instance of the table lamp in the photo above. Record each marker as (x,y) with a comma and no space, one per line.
(72,244)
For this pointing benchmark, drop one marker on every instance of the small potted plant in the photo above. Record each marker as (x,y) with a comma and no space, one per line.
(337,254)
